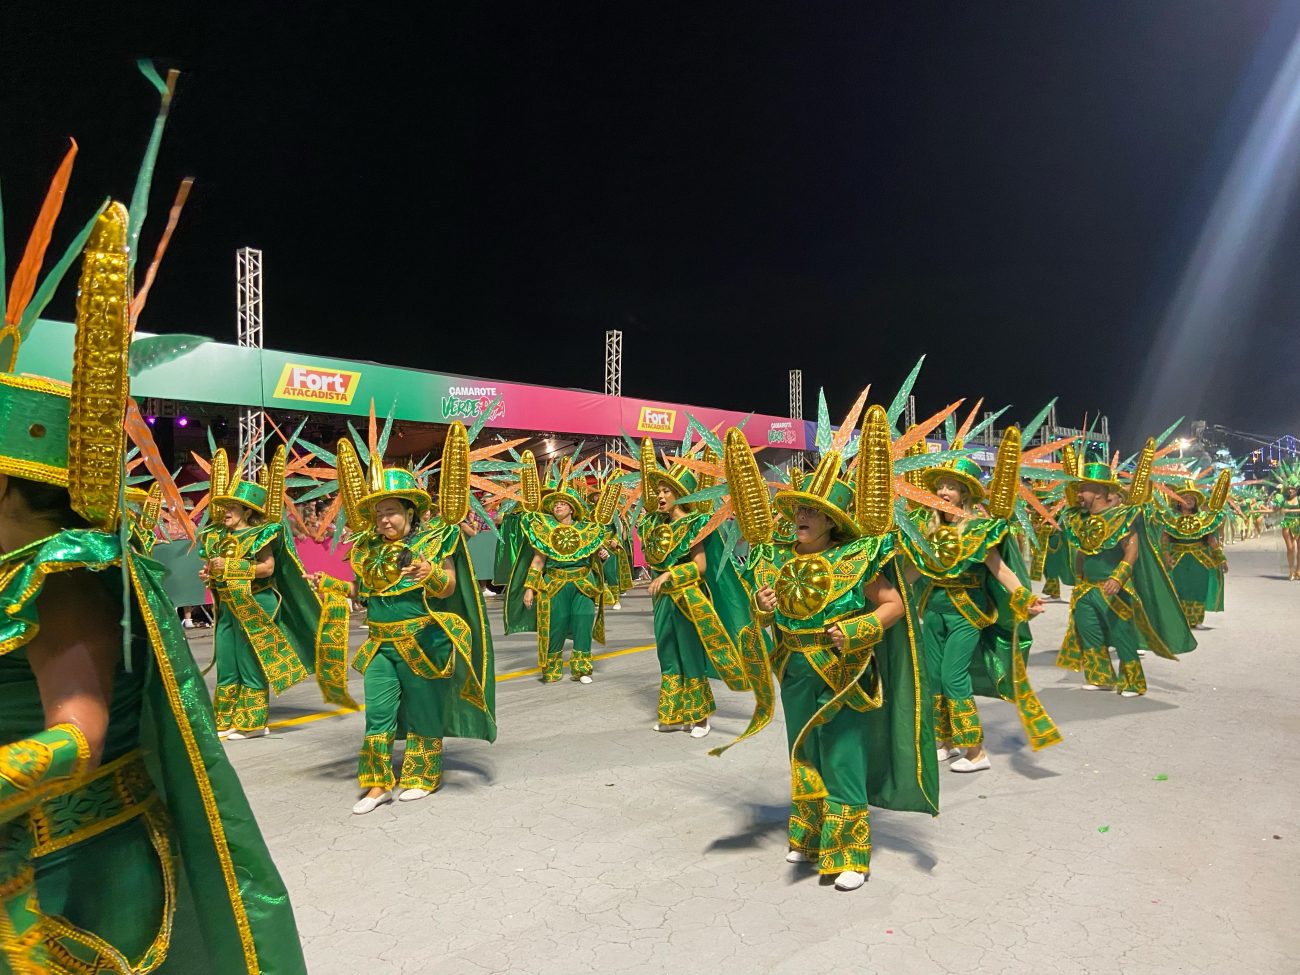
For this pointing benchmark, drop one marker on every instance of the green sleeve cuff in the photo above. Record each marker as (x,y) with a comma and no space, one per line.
(533,580)
(34,767)
(861,633)
(236,570)
(438,583)
(1021,600)
(681,576)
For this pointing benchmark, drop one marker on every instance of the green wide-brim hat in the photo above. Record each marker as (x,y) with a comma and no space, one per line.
(399,485)
(1194,491)
(835,506)
(248,493)
(681,484)
(1099,474)
(34,429)
(964,471)
(579,506)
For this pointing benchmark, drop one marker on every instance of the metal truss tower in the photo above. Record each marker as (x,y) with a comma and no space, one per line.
(613,380)
(248,283)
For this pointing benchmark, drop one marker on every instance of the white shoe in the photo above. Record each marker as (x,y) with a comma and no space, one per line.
(585,679)
(410,795)
(617,606)
(966,765)
(224,733)
(488,593)
(798,856)
(188,624)
(1092,687)
(1142,653)
(366,804)
(1129,694)
(943,754)
(657,726)
(241,735)
(850,880)
(700,730)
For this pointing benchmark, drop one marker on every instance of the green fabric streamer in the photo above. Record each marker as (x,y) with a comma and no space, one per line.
(144,179)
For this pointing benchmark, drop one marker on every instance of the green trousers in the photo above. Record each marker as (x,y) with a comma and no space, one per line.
(685,696)
(1098,627)
(835,830)
(572,617)
(241,700)
(397,695)
(950,641)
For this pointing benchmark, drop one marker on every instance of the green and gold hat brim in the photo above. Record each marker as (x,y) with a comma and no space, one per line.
(974,487)
(414,496)
(579,507)
(1072,488)
(34,429)
(789,502)
(1197,493)
(678,486)
(223,500)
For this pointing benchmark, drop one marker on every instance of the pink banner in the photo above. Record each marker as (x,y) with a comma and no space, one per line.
(317,557)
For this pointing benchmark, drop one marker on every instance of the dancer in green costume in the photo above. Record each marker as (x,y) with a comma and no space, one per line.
(557,587)
(510,540)
(126,842)
(1191,543)
(701,605)
(272,630)
(428,662)
(1286,503)
(617,555)
(853,685)
(975,602)
(1123,597)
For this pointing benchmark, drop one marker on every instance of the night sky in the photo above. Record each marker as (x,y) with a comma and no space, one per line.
(485,188)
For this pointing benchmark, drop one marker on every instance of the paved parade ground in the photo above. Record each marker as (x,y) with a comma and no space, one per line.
(1161,836)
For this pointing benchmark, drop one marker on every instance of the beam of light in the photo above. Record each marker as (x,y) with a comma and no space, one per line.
(1220,282)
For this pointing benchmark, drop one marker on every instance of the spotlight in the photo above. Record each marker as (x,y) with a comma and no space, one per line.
(151,420)
(182,421)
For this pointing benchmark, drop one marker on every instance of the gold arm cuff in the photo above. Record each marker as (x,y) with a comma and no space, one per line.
(681,576)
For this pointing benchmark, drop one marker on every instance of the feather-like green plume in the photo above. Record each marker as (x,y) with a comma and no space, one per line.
(1164,437)
(903,522)
(900,398)
(921,461)
(381,445)
(825,432)
(481,420)
(985,423)
(710,438)
(477,506)
(1030,429)
(363,452)
(144,178)
(713,493)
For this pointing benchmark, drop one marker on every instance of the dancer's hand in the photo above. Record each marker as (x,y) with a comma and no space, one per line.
(604,555)
(766,599)
(528,599)
(216,566)
(837,636)
(658,584)
(418,570)
(1036,608)
(1110,587)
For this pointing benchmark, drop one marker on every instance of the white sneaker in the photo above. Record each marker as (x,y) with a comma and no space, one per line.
(366,804)
(188,624)
(1129,694)
(616,606)
(798,856)
(488,593)
(966,765)
(585,679)
(224,733)
(850,880)
(241,735)
(410,795)
(666,727)
(943,754)
(1141,652)
(1092,687)
(700,730)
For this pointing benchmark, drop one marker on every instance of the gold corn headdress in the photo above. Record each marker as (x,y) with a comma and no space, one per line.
(1005,483)
(453,480)
(1140,487)
(749,497)
(874,494)
(352,485)
(1222,487)
(530,484)
(96,432)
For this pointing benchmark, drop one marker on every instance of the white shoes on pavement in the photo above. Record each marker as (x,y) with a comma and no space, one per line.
(585,679)
(1093,687)
(966,765)
(410,795)
(367,804)
(798,856)
(1129,694)
(700,730)
(241,735)
(660,726)
(850,880)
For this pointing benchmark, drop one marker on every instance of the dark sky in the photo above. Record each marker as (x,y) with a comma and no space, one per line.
(484,188)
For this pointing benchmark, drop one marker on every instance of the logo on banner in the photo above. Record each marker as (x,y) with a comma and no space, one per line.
(781,434)
(316,384)
(469,402)
(655,419)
